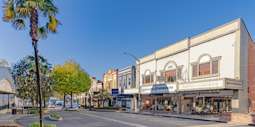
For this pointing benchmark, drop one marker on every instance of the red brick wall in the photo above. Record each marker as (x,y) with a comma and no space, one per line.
(251,75)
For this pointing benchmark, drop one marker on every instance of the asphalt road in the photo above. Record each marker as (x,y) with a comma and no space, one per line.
(114,119)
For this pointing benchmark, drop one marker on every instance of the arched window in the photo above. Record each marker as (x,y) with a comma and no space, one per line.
(148,77)
(171,72)
(205,66)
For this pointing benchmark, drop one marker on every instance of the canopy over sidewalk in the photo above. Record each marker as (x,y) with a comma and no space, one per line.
(6,87)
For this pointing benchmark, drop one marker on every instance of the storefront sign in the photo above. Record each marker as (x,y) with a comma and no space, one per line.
(206,85)
(218,93)
(115,92)
(158,89)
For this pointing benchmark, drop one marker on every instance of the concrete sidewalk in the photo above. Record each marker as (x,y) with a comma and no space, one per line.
(9,120)
(214,118)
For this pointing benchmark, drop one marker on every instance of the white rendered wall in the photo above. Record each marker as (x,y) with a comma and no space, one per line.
(151,66)
(223,47)
(181,59)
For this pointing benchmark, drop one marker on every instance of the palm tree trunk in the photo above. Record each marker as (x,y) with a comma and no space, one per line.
(33,34)
(38,82)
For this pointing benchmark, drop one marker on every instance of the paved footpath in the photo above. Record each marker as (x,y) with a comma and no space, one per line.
(8,119)
(114,119)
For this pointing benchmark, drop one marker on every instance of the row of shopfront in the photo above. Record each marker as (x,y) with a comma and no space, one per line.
(214,98)
(190,104)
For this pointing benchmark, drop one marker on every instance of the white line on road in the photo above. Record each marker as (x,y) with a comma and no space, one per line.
(114,120)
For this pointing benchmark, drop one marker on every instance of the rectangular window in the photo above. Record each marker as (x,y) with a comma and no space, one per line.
(147,79)
(170,76)
(152,78)
(194,70)
(215,67)
(204,68)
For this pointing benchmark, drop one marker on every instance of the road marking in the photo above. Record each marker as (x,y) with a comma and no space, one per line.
(220,125)
(117,121)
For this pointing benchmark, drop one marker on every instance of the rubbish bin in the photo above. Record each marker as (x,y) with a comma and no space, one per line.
(14,111)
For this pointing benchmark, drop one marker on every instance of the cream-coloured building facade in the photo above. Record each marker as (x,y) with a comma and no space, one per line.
(110,80)
(208,71)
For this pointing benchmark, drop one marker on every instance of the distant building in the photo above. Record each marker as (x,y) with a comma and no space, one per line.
(96,85)
(7,88)
(91,98)
(126,81)
(110,79)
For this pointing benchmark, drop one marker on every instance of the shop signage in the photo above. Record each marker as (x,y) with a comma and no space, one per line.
(218,93)
(115,92)
(158,89)
(205,85)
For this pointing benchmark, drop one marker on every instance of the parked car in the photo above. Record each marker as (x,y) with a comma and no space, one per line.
(59,103)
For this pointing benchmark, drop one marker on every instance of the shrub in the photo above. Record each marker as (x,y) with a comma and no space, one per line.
(55,115)
(36,124)
(32,111)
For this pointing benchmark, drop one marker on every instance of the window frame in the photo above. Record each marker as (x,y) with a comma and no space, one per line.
(211,74)
(169,71)
(178,74)
(151,79)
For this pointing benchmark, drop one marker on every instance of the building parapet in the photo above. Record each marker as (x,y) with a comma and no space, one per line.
(193,41)
(224,83)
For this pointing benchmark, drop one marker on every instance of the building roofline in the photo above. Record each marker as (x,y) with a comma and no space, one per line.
(239,20)
(245,27)
(215,28)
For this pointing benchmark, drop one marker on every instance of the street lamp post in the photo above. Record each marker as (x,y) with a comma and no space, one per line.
(139,87)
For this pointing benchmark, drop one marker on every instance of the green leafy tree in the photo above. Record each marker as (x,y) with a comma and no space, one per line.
(70,78)
(24,77)
(104,95)
(22,13)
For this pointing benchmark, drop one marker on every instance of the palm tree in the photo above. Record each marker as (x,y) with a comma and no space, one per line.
(27,12)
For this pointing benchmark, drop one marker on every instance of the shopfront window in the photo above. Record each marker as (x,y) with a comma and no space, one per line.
(159,103)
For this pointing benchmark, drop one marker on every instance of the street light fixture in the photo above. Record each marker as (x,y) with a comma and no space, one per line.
(139,87)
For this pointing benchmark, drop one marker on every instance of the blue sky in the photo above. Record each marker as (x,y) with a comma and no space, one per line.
(95,33)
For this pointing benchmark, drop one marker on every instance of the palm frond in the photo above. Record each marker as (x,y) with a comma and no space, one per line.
(42,32)
(19,24)
(52,24)
(23,11)
(9,12)
(30,3)
(47,7)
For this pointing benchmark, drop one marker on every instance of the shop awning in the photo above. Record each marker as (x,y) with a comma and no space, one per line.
(124,95)
(6,87)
